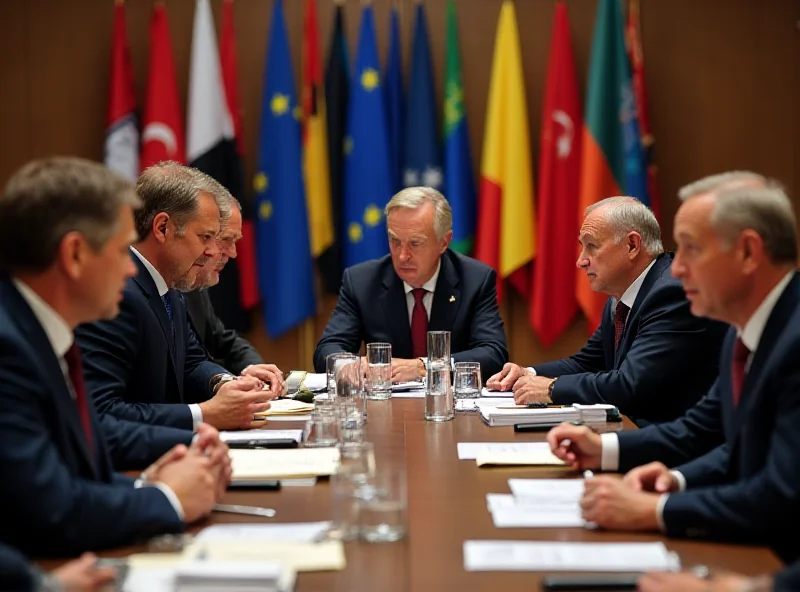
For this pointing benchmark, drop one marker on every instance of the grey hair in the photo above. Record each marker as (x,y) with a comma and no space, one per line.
(727,180)
(416,197)
(175,189)
(49,198)
(626,214)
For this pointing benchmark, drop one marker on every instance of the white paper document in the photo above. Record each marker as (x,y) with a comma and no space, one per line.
(260,435)
(316,382)
(487,393)
(412,385)
(293,532)
(414,394)
(471,450)
(547,489)
(249,465)
(512,512)
(556,556)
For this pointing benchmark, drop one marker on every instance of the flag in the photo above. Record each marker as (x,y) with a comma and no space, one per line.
(422,157)
(368,167)
(337,92)
(286,272)
(121,152)
(315,140)
(612,162)
(246,259)
(459,182)
(553,288)
(162,132)
(211,148)
(506,238)
(395,101)
(636,55)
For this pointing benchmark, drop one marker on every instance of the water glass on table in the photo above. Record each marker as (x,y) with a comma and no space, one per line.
(379,371)
(349,377)
(467,383)
(356,467)
(382,505)
(322,428)
(439,403)
(330,362)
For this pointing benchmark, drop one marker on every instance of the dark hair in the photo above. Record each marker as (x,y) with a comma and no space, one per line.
(49,198)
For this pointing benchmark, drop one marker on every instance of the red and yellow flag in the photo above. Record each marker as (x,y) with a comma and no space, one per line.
(506,233)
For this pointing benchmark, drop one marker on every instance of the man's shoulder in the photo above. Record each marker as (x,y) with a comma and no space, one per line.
(369,270)
(467,266)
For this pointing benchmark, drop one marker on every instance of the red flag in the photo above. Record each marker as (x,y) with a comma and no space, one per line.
(246,248)
(162,134)
(554,303)
(634,43)
(122,137)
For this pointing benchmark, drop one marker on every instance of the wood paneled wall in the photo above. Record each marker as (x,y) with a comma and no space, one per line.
(723,77)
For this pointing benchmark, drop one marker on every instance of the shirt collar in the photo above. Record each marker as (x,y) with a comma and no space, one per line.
(754,328)
(629,297)
(55,327)
(430,285)
(161,285)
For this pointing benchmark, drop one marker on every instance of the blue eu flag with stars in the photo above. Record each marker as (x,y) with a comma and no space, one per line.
(285,264)
(368,166)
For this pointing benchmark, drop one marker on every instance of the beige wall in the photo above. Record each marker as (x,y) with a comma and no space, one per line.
(723,81)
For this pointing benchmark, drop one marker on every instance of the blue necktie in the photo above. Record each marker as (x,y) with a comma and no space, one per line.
(168,305)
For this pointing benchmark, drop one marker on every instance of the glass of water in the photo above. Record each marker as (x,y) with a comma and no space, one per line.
(379,370)
(322,428)
(467,383)
(349,377)
(330,362)
(381,503)
(439,402)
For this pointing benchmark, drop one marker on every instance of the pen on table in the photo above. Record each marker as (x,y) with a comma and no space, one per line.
(587,474)
(249,510)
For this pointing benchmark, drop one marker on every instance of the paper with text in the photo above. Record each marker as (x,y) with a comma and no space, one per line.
(260,464)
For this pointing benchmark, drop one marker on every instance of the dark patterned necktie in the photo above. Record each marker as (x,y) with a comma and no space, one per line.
(75,370)
(620,315)
(419,325)
(740,355)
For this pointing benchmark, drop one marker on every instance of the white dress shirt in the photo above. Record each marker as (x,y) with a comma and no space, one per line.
(161,286)
(427,298)
(628,298)
(751,337)
(61,338)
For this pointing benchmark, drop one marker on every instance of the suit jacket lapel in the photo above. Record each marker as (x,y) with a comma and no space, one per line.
(777,322)
(145,282)
(395,309)
(446,297)
(66,409)
(661,263)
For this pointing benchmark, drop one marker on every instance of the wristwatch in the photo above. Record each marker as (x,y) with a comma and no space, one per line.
(550,388)
(219,379)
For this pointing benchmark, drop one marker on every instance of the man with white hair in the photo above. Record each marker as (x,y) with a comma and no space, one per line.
(421,286)
(650,357)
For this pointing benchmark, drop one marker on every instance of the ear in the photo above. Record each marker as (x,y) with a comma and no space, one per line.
(751,247)
(634,244)
(445,242)
(71,254)
(160,227)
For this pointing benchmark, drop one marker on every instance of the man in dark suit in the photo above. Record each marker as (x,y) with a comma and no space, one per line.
(17,574)
(65,228)
(650,357)
(422,286)
(737,251)
(146,365)
(786,580)
(224,346)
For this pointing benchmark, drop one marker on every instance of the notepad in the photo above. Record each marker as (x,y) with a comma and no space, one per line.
(288,532)
(300,557)
(557,556)
(261,435)
(286,407)
(534,459)
(255,465)
(509,511)
(242,576)
(471,450)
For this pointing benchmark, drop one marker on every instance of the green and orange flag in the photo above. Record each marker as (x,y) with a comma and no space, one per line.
(612,160)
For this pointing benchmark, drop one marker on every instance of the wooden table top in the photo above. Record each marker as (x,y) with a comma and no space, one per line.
(446,506)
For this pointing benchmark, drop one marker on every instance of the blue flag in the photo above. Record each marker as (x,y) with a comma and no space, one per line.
(285,265)
(368,168)
(459,182)
(395,101)
(422,152)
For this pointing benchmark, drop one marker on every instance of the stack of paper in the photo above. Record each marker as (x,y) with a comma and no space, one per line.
(260,436)
(509,415)
(538,503)
(552,556)
(210,576)
(287,407)
(316,383)
(508,453)
(261,464)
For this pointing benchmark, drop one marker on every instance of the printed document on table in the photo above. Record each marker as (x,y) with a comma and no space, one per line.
(258,464)
(511,512)
(292,532)
(549,489)
(471,450)
(557,556)
(260,435)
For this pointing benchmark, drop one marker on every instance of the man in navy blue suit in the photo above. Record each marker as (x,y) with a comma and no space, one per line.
(146,364)
(650,357)
(17,574)
(65,229)
(737,252)
(422,286)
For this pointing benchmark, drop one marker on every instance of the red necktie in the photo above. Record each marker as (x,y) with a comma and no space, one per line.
(419,325)
(740,355)
(73,359)
(619,321)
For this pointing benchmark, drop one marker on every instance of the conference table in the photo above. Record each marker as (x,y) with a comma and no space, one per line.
(447,506)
